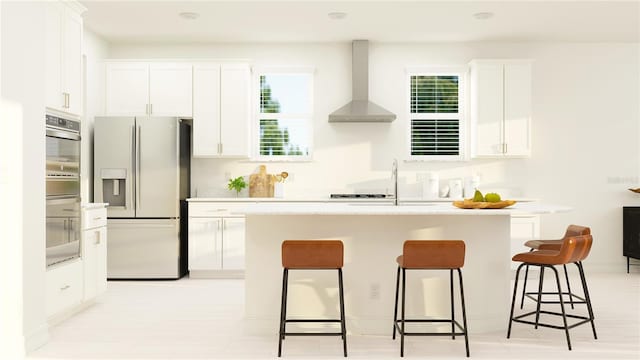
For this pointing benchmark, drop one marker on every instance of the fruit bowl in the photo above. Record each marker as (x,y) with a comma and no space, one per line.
(470,204)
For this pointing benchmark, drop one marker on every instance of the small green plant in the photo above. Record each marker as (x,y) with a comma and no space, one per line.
(237,184)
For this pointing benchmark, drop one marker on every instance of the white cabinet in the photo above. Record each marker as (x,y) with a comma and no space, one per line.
(216,240)
(94,252)
(221,110)
(63,51)
(63,287)
(500,108)
(154,89)
(523,228)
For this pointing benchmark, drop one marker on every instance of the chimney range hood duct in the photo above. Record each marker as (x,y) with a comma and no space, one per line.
(360,109)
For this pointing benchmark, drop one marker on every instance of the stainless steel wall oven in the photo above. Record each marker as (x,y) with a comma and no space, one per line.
(63,189)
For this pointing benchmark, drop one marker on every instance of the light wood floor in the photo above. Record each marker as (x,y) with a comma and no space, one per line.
(202,319)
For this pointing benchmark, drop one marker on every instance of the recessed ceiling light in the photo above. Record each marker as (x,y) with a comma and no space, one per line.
(337,15)
(189,15)
(483,15)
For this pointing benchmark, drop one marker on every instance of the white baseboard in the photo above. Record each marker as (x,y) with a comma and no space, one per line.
(36,338)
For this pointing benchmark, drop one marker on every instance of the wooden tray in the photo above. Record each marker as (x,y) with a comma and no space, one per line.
(468,204)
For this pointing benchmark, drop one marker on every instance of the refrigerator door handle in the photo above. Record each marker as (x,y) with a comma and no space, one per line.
(138,166)
(132,145)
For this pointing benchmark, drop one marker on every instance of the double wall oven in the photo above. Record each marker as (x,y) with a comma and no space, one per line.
(63,189)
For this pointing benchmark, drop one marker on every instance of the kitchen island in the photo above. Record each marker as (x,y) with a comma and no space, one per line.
(373,234)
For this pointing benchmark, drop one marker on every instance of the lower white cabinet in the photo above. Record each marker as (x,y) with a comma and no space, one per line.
(64,287)
(523,228)
(216,241)
(94,252)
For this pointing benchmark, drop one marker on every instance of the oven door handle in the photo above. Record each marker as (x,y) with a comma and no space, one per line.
(62,134)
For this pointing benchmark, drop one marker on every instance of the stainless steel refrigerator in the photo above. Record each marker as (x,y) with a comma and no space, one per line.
(141,168)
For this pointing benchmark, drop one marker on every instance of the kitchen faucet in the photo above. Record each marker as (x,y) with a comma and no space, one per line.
(394,175)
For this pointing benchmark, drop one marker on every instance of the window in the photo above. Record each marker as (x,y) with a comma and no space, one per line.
(436,117)
(284,116)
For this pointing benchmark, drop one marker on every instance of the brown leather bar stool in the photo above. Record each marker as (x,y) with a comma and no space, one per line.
(572,230)
(574,249)
(311,255)
(431,255)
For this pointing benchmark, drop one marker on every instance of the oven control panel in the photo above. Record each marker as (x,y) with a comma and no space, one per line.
(64,124)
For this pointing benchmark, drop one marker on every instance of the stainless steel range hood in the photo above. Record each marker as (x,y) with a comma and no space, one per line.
(360,109)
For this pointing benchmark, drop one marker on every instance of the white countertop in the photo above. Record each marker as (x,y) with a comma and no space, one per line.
(389,209)
(90,206)
(327,199)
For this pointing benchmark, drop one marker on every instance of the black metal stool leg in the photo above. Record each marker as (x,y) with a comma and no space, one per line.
(453,317)
(513,299)
(524,287)
(395,309)
(540,295)
(404,288)
(283,307)
(564,315)
(464,312)
(342,321)
(566,276)
(587,297)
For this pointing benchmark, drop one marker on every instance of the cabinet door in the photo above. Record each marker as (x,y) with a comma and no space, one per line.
(101,263)
(517,109)
(127,89)
(72,61)
(631,232)
(233,244)
(486,108)
(205,243)
(206,110)
(523,228)
(90,238)
(170,89)
(53,53)
(235,109)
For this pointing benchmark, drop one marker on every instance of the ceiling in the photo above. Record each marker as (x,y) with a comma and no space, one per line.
(380,21)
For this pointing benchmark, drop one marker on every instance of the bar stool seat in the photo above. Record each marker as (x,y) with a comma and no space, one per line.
(574,249)
(430,255)
(312,255)
(572,230)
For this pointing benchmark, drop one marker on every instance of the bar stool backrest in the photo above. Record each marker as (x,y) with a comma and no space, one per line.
(574,249)
(312,254)
(433,254)
(577,230)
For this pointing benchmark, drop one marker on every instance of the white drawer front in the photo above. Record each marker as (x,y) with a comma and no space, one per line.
(64,287)
(94,218)
(213,209)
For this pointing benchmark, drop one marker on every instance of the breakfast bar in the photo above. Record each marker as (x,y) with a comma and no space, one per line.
(373,234)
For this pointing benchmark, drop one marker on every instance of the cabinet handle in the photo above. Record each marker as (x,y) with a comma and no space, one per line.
(221,148)
(68,100)
(97,218)
(146,109)
(97,238)
(224,225)
(65,287)
(505,148)
(150,109)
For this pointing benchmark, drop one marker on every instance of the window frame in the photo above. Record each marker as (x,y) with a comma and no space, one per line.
(257,115)
(462,73)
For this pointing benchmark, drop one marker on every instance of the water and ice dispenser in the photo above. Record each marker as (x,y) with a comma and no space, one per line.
(114,186)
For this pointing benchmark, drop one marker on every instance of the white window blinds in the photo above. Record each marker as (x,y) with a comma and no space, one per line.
(435,115)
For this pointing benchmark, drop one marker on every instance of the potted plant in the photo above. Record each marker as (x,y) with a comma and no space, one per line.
(237,184)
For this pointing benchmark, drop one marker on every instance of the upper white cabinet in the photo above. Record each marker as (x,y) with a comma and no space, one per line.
(221,110)
(154,89)
(501,108)
(63,51)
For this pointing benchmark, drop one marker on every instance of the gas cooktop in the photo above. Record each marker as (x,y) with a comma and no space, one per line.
(358,196)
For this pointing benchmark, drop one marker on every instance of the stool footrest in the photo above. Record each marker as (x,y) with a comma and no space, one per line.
(534,296)
(310,320)
(519,319)
(398,322)
(310,334)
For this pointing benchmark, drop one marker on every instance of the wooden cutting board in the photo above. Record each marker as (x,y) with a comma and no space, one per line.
(261,184)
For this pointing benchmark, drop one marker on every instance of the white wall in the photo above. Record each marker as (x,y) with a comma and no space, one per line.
(585,127)
(23,84)
(94,50)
